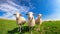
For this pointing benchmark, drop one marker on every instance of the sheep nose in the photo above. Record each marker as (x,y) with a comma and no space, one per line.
(17,18)
(29,17)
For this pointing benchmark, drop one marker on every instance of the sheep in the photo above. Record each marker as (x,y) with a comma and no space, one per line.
(31,21)
(20,20)
(38,21)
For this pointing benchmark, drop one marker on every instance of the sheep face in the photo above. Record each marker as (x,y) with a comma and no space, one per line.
(30,15)
(39,15)
(17,15)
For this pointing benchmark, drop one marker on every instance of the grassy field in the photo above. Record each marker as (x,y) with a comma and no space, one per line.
(10,27)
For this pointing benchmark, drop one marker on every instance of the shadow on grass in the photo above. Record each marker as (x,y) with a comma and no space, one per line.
(15,30)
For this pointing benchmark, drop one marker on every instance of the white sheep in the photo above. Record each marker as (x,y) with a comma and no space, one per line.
(19,20)
(31,21)
(38,21)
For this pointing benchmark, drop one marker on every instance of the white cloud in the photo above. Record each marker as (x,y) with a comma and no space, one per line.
(10,8)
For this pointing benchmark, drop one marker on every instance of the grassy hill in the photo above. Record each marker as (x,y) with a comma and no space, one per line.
(10,27)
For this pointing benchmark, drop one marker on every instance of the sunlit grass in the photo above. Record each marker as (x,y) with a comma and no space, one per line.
(10,27)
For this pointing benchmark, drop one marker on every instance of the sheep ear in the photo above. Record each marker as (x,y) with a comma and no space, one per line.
(26,14)
(14,14)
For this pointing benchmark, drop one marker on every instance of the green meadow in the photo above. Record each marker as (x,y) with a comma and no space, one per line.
(47,27)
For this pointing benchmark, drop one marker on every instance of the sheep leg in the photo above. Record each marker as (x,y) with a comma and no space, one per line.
(20,28)
(39,27)
(31,29)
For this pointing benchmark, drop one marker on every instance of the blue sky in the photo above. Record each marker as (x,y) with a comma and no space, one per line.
(50,9)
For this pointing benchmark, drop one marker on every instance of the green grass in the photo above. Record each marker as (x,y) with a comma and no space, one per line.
(10,27)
